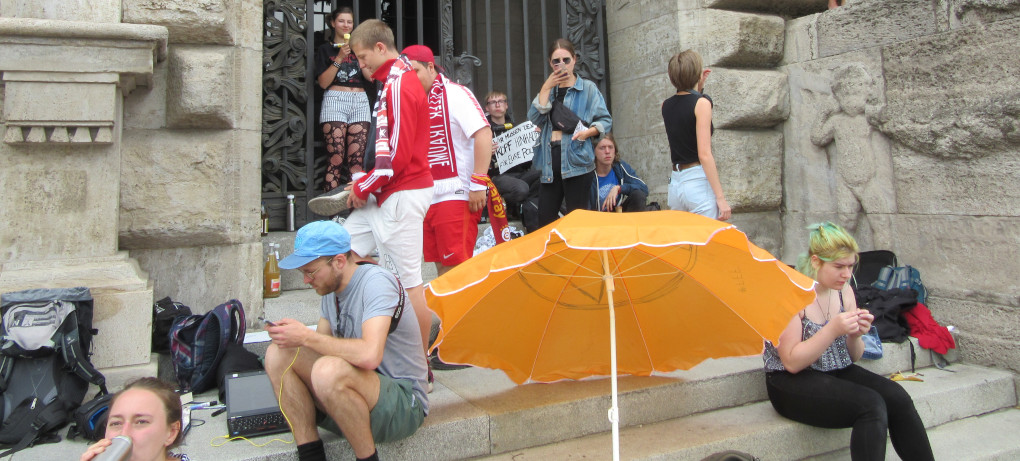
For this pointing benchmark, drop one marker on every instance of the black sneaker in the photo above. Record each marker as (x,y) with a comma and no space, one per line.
(331,203)
(436,364)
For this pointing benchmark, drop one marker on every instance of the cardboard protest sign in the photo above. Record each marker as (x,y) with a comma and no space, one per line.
(515,146)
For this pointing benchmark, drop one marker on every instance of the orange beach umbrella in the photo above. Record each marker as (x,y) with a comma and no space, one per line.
(615,293)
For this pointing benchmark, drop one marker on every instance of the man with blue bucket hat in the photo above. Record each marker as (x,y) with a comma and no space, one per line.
(364,364)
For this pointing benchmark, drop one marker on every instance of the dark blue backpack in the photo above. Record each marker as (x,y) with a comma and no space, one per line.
(198,342)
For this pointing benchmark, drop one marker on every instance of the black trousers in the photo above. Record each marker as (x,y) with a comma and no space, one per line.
(856,398)
(636,201)
(579,192)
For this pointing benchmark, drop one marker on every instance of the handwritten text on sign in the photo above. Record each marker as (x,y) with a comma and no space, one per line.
(515,146)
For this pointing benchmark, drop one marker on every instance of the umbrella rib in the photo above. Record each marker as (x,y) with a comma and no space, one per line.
(548,320)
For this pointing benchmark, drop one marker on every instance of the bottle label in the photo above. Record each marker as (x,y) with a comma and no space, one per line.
(274,285)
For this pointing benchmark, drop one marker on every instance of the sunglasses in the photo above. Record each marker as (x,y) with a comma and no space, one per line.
(557,61)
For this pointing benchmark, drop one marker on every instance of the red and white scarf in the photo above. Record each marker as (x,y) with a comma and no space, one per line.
(442,159)
(383,156)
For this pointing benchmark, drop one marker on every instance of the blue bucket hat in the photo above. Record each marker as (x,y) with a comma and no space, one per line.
(316,239)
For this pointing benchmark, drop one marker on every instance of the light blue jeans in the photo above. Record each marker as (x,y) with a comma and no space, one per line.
(689,190)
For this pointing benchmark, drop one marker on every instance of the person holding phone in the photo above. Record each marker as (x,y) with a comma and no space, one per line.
(362,371)
(572,113)
(811,376)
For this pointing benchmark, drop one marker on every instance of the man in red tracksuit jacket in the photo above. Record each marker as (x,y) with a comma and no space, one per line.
(391,200)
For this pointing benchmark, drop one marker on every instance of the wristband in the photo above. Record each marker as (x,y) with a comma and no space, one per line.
(336,64)
(480,179)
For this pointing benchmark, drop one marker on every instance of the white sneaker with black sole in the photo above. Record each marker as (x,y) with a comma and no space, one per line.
(331,203)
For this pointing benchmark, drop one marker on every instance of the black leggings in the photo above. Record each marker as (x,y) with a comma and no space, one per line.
(579,192)
(857,398)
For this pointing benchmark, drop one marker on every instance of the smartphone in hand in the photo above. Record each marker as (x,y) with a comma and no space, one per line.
(265,322)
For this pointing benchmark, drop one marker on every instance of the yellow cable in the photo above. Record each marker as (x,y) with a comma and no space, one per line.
(278,399)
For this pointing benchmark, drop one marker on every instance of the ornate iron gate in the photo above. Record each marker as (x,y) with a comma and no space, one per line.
(484,44)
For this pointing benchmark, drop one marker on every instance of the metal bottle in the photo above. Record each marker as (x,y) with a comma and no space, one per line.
(119,450)
(290,212)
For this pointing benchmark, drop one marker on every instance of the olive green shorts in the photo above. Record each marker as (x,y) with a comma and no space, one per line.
(396,415)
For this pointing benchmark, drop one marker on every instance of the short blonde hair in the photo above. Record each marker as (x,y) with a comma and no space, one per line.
(684,70)
(373,31)
(494,94)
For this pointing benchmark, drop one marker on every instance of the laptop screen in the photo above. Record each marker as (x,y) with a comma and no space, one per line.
(250,392)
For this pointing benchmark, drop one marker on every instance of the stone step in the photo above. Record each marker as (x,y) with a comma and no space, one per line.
(755,428)
(479,412)
(291,280)
(991,436)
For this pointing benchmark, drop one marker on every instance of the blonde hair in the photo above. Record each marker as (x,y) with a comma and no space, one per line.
(494,94)
(684,70)
(828,242)
(373,31)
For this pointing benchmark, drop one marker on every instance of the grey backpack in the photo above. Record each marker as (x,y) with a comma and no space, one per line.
(45,371)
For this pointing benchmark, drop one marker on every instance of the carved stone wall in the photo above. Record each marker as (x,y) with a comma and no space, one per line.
(63,85)
(190,181)
(903,127)
(896,119)
(121,160)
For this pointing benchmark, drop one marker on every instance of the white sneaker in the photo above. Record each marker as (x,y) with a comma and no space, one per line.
(331,203)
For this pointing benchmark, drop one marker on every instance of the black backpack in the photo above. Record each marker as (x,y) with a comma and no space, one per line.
(869,265)
(164,313)
(198,342)
(45,369)
(89,420)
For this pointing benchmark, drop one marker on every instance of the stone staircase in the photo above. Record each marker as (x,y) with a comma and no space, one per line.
(971,413)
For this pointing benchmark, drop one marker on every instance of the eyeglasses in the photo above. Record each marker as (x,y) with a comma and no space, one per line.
(497,102)
(557,61)
(311,275)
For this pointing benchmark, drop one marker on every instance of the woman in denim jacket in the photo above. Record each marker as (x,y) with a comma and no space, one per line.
(567,158)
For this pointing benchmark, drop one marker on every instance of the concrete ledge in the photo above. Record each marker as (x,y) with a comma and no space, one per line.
(757,429)
(479,412)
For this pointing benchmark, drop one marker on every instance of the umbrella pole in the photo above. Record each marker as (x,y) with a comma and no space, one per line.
(614,410)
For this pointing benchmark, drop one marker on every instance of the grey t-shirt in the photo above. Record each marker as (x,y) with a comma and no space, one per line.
(372,292)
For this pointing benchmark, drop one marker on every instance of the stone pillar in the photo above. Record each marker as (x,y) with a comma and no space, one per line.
(63,88)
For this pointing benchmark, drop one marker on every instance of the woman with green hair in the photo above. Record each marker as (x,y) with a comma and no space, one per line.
(811,376)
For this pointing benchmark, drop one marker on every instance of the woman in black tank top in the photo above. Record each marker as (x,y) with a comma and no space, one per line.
(694,182)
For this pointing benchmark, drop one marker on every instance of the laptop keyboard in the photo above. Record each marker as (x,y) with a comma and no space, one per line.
(257,425)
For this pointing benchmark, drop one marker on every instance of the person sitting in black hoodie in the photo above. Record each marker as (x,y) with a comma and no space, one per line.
(519,185)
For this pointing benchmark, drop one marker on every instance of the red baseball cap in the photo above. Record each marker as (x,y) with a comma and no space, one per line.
(419,53)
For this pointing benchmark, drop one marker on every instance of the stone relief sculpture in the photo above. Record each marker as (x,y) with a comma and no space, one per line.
(859,153)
